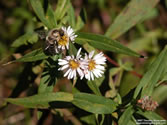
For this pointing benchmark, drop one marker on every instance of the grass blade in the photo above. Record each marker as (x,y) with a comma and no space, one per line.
(133,13)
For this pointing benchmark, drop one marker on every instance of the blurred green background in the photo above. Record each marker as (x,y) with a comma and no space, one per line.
(17,17)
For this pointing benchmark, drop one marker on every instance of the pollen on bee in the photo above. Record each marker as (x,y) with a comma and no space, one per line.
(63,41)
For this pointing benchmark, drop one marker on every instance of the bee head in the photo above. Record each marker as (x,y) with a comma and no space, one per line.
(61,32)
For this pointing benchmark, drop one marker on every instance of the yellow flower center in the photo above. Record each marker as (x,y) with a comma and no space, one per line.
(63,41)
(73,64)
(91,65)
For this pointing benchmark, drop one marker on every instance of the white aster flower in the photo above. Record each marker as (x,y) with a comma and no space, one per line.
(72,66)
(95,65)
(68,36)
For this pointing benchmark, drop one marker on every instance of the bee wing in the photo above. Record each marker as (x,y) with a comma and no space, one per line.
(41,33)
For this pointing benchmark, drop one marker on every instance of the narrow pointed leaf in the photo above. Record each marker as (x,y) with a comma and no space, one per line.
(104,43)
(62,8)
(71,15)
(38,9)
(94,104)
(51,17)
(158,94)
(41,100)
(151,77)
(79,24)
(150,115)
(133,13)
(25,39)
(126,116)
(33,56)
(93,86)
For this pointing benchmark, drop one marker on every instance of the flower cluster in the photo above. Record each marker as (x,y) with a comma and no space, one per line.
(147,103)
(89,66)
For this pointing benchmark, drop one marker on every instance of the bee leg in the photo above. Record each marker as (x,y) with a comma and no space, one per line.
(47,47)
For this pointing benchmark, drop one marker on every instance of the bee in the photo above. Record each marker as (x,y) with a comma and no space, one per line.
(51,40)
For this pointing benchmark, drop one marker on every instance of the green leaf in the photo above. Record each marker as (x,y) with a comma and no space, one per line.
(37,7)
(89,48)
(126,66)
(94,104)
(126,116)
(90,119)
(150,14)
(147,42)
(41,100)
(159,95)
(79,24)
(49,75)
(22,12)
(48,81)
(72,49)
(44,86)
(81,20)
(25,39)
(132,121)
(126,86)
(71,15)
(150,115)
(112,92)
(92,85)
(83,15)
(151,77)
(51,17)
(33,56)
(99,81)
(163,79)
(102,119)
(104,43)
(62,8)
(133,13)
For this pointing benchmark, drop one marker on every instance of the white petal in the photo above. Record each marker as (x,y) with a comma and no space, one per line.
(62,62)
(100,67)
(100,61)
(67,45)
(92,76)
(69,70)
(98,56)
(81,77)
(69,75)
(64,67)
(86,57)
(75,74)
(98,72)
(87,76)
(68,58)
(91,54)
(72,74)
(80,72)
(95,74)
(78,53)
(64,29)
